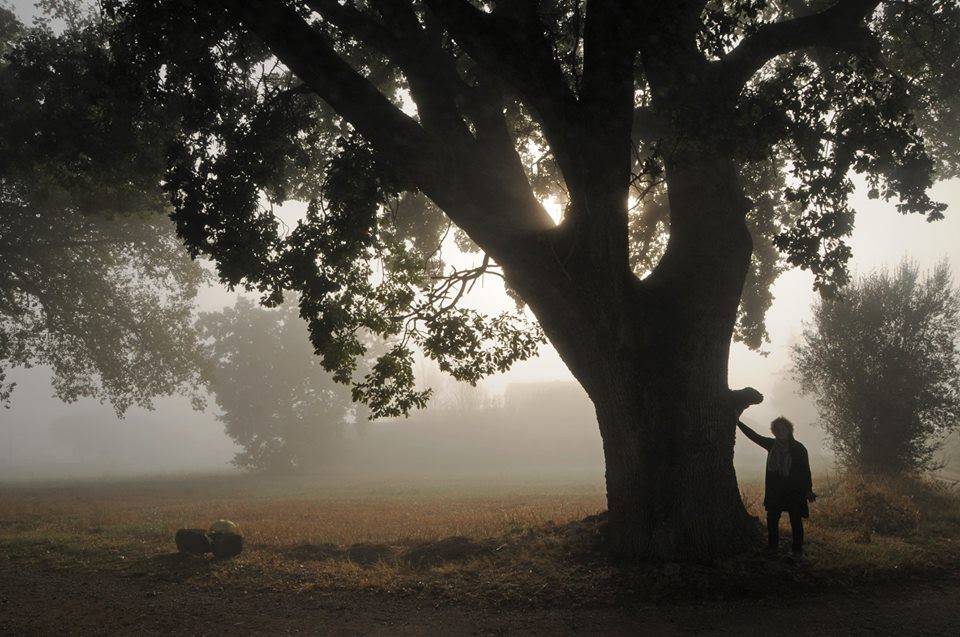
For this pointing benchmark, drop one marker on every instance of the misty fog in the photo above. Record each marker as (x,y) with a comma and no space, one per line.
(532,420)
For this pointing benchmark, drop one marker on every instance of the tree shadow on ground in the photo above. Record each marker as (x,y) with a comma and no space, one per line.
(174,567)
(417,555)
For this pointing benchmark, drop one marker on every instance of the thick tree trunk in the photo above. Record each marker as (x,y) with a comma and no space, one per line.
(667,421)
(668,440)
(653,356)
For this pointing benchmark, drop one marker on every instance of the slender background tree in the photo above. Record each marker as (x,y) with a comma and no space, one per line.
(883,361)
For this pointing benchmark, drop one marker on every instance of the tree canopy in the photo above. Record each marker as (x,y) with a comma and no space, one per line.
(358,108)
(883,362)
(93,280)
(696,149)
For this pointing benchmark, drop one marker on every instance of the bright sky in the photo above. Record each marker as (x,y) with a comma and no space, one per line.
(882,237)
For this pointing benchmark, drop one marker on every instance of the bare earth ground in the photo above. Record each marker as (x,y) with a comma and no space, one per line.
(36,602)
(372,558)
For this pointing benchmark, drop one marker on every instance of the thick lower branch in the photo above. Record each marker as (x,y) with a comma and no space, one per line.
(840,26)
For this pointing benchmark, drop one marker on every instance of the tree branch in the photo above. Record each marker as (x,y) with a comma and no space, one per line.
(511,47)
(607,90)
(308,54)
(432,78)
(740,399)
(842,26)
(468,185)
(648,125)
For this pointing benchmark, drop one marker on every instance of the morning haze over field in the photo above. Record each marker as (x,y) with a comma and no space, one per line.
(463,317)
(44,438)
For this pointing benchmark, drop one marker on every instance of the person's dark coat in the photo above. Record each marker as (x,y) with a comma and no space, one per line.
(785,493)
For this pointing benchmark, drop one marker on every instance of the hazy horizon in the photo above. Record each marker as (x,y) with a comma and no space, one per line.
(173,438)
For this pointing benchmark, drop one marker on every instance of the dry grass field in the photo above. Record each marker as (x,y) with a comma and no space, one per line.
(518,544)
(291,526)
(283,512)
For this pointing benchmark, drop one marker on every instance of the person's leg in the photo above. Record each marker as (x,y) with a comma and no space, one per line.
(796,529)
(773,529)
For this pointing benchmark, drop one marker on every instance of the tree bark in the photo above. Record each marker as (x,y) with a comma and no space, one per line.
(652,355)
(671,488)
(667,422)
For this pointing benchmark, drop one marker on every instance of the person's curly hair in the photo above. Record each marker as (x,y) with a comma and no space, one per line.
(780,421)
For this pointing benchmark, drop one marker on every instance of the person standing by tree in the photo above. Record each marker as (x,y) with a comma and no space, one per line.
(788,485)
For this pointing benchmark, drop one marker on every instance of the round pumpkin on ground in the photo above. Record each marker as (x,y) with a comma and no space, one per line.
(225,526)
(192,541)
(226,539)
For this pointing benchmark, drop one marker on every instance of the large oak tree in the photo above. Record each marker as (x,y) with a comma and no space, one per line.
(697,148)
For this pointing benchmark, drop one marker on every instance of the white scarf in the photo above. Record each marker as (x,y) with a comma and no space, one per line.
(778,457)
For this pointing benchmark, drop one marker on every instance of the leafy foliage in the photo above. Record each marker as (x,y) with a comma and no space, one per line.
(849,117)
(370,252)
(93,280)
(276,400)
(884,365)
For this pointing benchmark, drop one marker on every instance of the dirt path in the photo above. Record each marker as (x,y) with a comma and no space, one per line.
(59,602)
